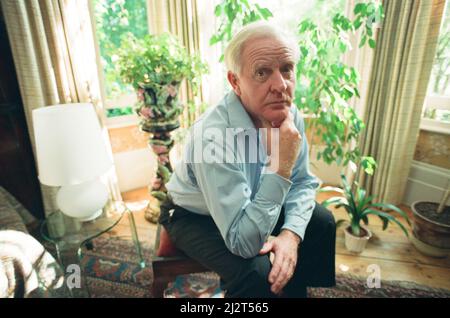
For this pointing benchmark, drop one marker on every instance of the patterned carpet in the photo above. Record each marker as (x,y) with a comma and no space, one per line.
(113,270)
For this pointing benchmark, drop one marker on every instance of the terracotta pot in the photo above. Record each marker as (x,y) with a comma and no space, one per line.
(354,243)
(430,237)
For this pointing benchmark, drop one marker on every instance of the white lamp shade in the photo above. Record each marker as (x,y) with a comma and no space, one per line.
(69,145)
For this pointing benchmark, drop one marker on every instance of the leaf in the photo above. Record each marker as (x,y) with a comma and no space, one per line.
(369,170)
(372,43)
(304,51)
(365,219)
(363,41)
(329,189)
(387,216)
(304,25)
(347,189)
(214,39)
(334,201)
(218,10)
(349,89)
(357,23)
(359,8)
(370,8)
(340,223)
(231,14)
(392,207)
(385,222)
(266,13)
(361,199)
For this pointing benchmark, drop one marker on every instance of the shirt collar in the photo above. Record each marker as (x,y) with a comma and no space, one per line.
(238,116)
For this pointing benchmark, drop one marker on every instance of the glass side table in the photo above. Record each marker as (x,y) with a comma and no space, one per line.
(69,241)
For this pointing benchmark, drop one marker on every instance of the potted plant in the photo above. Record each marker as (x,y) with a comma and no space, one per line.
(359,206)
(155,65)
(431,226)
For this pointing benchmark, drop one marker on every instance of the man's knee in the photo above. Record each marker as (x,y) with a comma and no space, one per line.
(252,280)
(321,227)
(324,219)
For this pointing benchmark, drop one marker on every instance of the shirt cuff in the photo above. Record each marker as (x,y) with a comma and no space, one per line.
(274,188)
(296,224)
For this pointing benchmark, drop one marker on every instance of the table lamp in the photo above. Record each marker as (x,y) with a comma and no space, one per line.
(71,154)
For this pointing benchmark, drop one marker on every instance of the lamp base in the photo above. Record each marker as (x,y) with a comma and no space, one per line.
(83,201)
(92,217)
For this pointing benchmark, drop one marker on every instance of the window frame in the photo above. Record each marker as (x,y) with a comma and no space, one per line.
(434,125)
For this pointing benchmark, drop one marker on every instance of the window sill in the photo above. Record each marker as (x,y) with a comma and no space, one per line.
(435,126)
(122,121)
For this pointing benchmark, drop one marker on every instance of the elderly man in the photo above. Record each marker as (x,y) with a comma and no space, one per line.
(222,212)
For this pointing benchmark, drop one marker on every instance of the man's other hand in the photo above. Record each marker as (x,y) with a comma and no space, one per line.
(285,250)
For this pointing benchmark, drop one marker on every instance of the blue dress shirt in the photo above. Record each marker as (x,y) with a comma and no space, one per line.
(243,199)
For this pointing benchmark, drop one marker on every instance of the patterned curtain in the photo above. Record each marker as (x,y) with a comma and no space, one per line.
(403,60)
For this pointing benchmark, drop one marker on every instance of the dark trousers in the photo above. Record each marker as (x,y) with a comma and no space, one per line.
(199,238)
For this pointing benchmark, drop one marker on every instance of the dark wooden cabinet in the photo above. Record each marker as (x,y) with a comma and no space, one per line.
(17,167)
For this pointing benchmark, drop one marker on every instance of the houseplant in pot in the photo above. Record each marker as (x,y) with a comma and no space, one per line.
(431,226)
(359,206)
(155,65)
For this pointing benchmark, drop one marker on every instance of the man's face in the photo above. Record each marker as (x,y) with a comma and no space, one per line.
(266,82)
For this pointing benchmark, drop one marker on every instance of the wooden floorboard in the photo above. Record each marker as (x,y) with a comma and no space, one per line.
(432,276)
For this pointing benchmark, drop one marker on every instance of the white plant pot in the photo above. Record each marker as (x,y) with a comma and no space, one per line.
(354,243)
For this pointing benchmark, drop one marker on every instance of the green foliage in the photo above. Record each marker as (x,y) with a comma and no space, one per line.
(114,18)
(233,14)
(115,112)
(157,60)
(325,84)
(359,206)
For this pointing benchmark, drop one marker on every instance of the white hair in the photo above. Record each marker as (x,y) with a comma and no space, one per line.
(259,29)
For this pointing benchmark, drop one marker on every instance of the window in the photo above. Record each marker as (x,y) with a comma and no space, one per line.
(436,109)
(114,19)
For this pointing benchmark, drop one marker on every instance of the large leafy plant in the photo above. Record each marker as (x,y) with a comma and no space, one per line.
(359,206)
(325,84)
(158,60)
(155,65)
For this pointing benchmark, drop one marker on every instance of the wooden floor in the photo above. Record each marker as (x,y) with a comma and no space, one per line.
(390,249)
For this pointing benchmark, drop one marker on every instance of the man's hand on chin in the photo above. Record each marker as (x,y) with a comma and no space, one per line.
(285,250)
